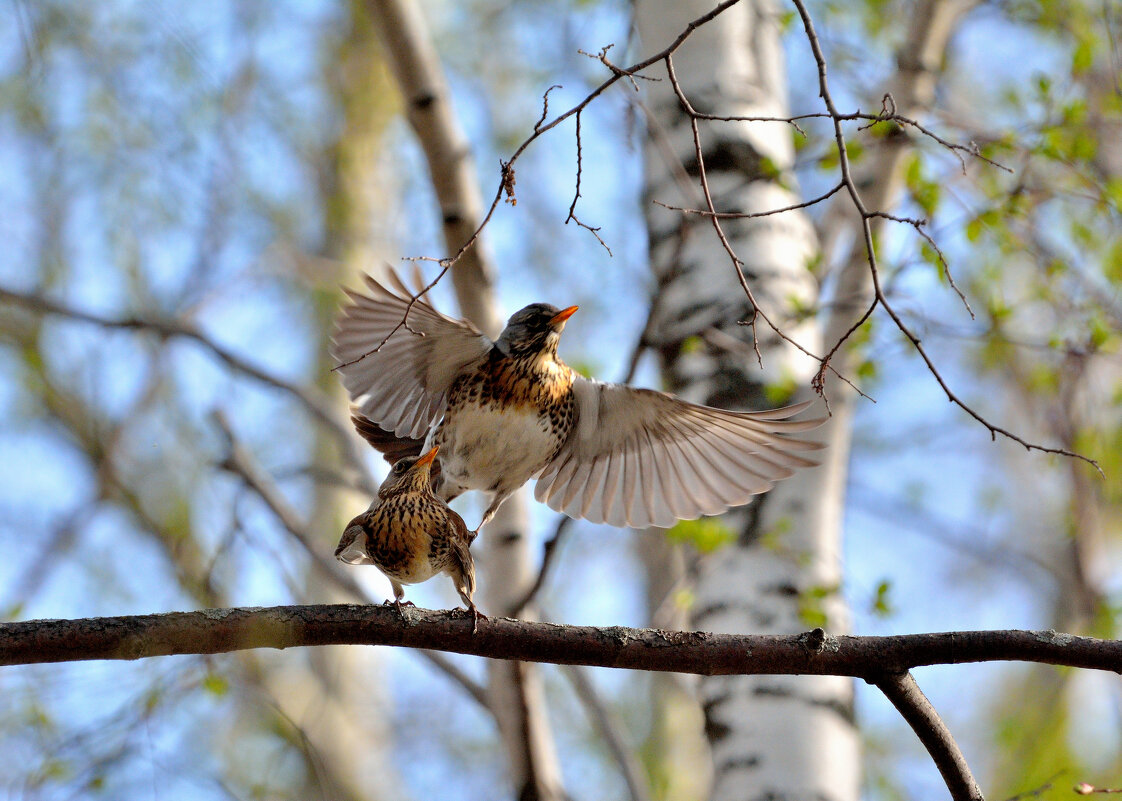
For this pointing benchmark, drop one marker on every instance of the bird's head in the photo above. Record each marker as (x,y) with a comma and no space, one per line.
(535,329)
(408,475)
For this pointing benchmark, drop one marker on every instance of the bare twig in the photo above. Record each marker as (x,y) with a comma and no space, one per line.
(739,215)
(545,105)
(576,196)
(879,297)
(901,689)
(1083,788)
(610,728)
(920,228)
(316,403)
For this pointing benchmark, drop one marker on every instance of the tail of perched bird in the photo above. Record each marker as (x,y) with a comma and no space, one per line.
(462,570)
(352,546)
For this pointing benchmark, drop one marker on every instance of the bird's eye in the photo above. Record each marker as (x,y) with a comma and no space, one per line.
(400,468)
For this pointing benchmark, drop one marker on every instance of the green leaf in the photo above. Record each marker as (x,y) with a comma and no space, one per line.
(1083,56)
(974,230)
(690,345)
(882,604)
(812,604)
(706,534)
(778,392)
(866,370)
(585,368)
(768,169)
(1112,262)
(684,599)
(216,685)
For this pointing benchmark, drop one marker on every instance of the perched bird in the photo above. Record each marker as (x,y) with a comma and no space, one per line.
(506,411)
(411,535)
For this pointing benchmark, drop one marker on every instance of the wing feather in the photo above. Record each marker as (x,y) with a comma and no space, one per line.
(638,457)
(402,386)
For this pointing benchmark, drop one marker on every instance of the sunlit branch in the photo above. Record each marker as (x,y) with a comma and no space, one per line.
(213,631)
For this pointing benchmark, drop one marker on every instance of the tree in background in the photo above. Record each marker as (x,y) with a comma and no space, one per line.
(200,182)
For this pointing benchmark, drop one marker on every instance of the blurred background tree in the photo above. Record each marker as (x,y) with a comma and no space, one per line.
(196,180)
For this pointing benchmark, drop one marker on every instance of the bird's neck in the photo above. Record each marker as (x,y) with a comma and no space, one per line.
(418,484)
(537,357)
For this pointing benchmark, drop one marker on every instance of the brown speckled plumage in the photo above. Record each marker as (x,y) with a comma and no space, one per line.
(506,411)
(411,535)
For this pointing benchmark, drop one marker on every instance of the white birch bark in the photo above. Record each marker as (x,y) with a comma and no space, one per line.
(776,737)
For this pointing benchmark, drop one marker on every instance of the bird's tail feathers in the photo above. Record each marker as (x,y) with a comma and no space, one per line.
(352,547)
(387,443)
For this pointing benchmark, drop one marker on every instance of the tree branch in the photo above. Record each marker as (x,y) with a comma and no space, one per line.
(213,631)
(901,689)
(317,404)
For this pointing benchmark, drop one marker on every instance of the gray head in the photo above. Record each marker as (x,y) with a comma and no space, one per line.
(535,328)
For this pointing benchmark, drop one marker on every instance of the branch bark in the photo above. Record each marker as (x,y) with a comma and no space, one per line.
(214,631)
(901,689)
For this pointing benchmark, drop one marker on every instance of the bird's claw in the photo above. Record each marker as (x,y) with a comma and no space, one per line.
(476,616)
(400,606)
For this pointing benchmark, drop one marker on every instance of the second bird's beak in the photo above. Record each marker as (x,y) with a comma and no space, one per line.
(427,458)
(558,320)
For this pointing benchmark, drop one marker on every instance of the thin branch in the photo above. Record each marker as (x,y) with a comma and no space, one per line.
(920,228)
(576,196)
(1083,788)
(545,105)
(316,403)
(212,631)
(609,727)
(745,215)
(879,297)
(548,552)
(901,689)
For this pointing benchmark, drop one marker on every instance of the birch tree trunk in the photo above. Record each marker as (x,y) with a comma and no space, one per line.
(777,737)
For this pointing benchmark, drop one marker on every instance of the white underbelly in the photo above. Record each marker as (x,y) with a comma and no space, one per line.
(482,449)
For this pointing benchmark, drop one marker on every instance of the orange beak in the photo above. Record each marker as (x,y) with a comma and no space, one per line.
(563,315)
(427,458)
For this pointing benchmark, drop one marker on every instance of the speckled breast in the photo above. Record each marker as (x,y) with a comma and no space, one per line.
(505,422)
(401,541)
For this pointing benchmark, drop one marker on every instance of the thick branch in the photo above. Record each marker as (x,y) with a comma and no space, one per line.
(901,689)
(213,631)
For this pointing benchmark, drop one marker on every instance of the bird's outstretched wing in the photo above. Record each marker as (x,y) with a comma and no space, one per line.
(403,385)
(643,458)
